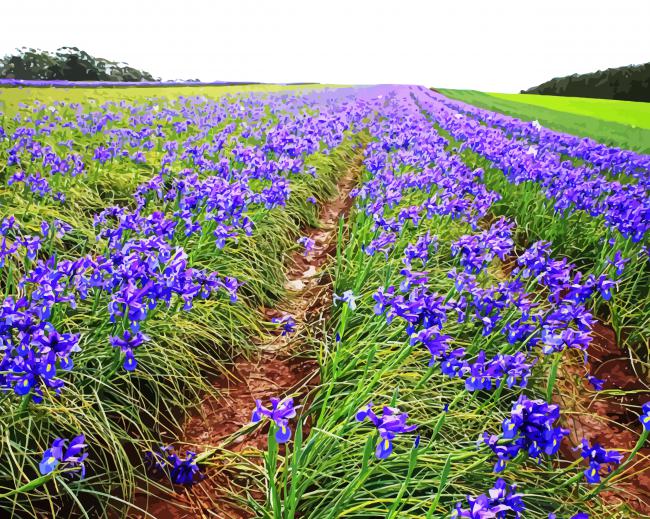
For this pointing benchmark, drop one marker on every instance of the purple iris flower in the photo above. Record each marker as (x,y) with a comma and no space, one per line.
(501,501)
(597,456)
(179,471)
(420,250)
(384,243)
(52,456)
(437,343)
(391,423)
(71,457)
(288,324)
(618,262)
(32,245)
(128,343)
(308,243)
(280,413)
(645,416)
(605,286)
(596,383)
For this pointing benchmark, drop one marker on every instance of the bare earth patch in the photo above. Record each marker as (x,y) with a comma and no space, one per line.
(609,417)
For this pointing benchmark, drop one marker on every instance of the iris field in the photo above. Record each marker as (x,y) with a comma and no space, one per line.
(145,232)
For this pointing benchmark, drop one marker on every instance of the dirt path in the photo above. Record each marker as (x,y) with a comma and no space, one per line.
(283,366)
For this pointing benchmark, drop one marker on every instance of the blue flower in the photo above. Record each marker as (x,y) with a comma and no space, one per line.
(127,344)
(645,416)
(308,243)
(383,243)
(52,456)
(288,324)
(72,458)
(185,472)
(498,502)
(595,382)
(179,471)
(391,423)
(597,456)
(618,262)
(280,413)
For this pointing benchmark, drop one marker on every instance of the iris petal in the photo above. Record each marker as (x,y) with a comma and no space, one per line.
(283,433)
(384,449)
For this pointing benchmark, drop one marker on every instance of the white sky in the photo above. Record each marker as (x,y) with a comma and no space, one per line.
(491,45)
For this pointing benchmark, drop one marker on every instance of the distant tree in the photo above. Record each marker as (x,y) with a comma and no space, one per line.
(631,83)
(67,63)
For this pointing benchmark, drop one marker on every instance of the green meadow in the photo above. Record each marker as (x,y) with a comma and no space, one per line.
(624,124)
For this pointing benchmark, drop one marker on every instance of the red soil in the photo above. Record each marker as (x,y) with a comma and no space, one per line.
(609,417)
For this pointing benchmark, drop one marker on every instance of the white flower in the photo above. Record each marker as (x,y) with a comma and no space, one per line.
(347,297)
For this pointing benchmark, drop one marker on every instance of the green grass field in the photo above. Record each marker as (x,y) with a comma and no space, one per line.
(624,124)
(631,113)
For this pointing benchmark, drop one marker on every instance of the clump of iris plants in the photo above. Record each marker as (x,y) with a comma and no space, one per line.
(213,170)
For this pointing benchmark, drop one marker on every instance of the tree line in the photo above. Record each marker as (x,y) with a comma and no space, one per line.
(67,63)
(630,83)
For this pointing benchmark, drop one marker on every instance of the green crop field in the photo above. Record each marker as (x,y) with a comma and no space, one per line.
(625,124)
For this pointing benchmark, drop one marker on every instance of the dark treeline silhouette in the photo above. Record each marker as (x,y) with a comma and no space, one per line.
(631,83)
(66,63)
